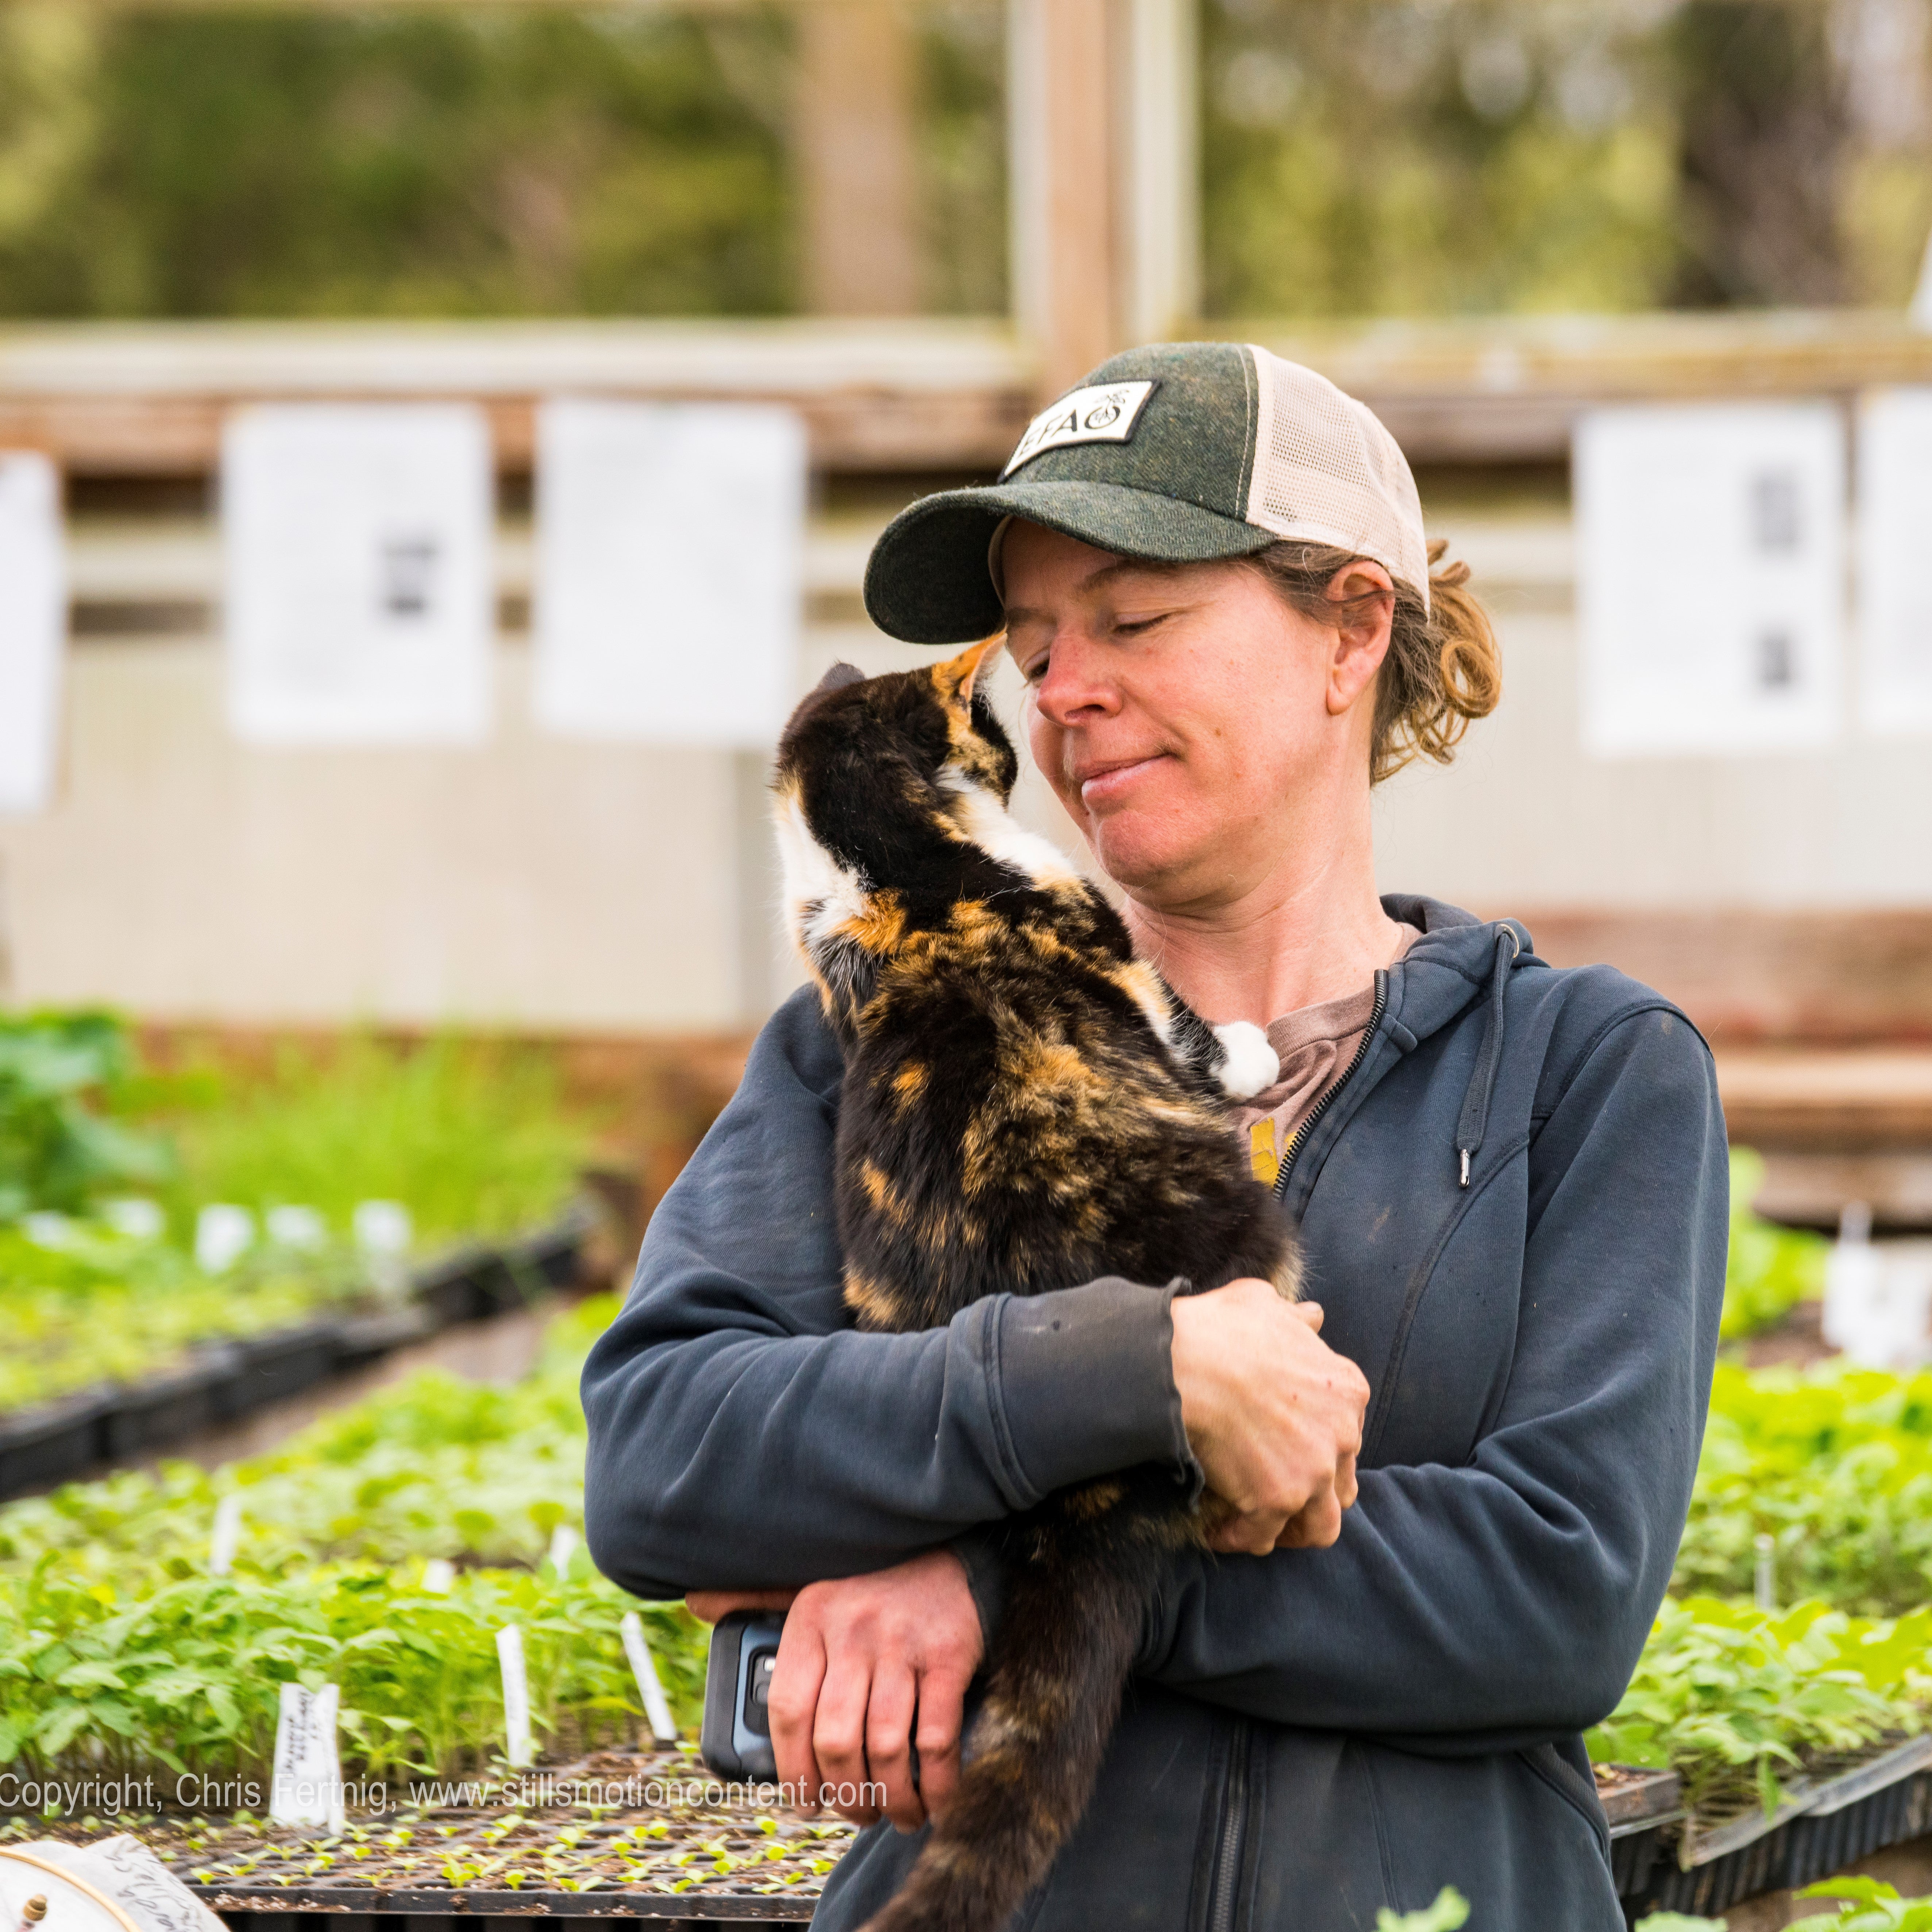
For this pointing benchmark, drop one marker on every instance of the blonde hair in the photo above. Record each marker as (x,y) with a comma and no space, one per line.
(1443,668)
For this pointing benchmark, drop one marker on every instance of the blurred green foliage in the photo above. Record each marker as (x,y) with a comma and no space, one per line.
(286,162)
(57,1150)
(1769,1270)
(453,162)
(1360,157)
(472,1135)
(1410,156)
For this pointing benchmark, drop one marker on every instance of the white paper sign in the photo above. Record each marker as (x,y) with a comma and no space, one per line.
(1894,538)
(33,628)
(226,1537)
(670,554)
(1710,577)
(643,1668)
(517,1745)
(358,541)
(307,1788)
(223,1233)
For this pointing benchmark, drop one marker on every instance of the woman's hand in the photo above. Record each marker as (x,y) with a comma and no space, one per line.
(1272,1413)
(869,1665)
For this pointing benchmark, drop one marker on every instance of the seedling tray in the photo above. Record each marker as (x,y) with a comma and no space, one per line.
(1638,1804)
(282,1363)
(688,1850)
(55,1442)
(1825,1821)
(164,1407)
(52,1442)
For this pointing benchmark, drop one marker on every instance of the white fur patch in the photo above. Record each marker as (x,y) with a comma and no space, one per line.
(1251,1065)
(821,894)
(1152,997)
(988,824)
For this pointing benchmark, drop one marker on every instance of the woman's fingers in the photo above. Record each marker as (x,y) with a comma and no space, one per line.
(1272,1413)
(1318,1526)
(1250,1535)
(792,1706)
(942,1716)
(708,1606)
(862,1659)
(838,1736)
(889,1722)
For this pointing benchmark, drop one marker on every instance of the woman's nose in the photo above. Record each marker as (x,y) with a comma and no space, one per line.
(1074,689)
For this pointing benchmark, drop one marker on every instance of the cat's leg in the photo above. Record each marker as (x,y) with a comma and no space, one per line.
(1249,1065)
(1236,1058)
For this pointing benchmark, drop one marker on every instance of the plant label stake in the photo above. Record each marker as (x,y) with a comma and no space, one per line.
(221,1545)
(439,1573)
(516,1697)
(562,1547)
(307,1785)
(657,1710)
(1765,1582)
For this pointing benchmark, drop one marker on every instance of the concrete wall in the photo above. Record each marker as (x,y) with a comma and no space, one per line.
(1525,818)
(543,884)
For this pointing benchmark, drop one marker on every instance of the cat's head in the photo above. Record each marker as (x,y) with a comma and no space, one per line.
(877,771)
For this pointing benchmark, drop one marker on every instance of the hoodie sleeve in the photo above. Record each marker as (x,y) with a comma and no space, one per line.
(1504,1602)
(744,1434)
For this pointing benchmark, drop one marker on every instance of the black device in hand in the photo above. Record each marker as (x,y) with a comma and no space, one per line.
(736,1740)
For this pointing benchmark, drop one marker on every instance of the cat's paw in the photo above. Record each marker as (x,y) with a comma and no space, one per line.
(1249,1065)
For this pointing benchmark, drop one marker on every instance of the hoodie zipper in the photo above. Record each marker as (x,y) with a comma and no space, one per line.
(1235,1794)
(1327,1099)
(1234,1816)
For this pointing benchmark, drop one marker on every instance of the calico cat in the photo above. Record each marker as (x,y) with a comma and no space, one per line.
(1026,1106)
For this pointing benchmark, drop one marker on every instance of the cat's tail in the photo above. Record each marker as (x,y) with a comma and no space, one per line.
(1069,1630)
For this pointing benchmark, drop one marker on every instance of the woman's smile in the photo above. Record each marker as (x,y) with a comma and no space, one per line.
(1104,783)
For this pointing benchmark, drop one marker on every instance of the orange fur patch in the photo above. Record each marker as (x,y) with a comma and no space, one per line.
(881,928)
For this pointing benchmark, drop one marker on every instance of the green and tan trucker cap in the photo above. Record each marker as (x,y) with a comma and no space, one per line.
(1181,451)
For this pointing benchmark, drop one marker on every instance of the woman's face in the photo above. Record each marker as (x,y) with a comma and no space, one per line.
(1191,723)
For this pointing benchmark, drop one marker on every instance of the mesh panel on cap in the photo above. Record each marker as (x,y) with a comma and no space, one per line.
(1326,471)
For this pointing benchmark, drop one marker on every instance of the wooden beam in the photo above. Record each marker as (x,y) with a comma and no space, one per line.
(1751,978)
(1061,103)
(1509,389)
(148,399)
(140,398)
(857,78)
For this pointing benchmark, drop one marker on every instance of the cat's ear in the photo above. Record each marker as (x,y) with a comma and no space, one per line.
(953,680)
(838,677)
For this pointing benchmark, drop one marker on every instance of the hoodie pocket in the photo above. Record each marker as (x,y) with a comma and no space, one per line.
(1579,1792)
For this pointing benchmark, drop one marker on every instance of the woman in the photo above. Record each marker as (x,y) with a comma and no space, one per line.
(1511,1185)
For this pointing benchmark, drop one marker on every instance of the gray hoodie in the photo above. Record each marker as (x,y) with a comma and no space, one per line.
(1312,1734)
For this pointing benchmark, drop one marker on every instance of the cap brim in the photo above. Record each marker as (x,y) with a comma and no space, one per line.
(928,583)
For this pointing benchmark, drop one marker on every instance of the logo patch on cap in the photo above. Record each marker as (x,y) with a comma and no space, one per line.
(1104,413)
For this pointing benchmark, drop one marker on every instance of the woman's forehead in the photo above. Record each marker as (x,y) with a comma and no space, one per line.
(1037,562)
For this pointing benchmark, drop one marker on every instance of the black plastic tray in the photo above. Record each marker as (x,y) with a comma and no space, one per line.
(1823,1825)
(52,1442)
(164,1407)
(252,1908)
(55,1442)
(281,1363)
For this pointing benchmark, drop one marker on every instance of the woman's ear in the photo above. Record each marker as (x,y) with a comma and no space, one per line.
(1366,592)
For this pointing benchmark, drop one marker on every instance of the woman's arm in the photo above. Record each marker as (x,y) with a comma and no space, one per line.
(743,1434)
(1484,1607)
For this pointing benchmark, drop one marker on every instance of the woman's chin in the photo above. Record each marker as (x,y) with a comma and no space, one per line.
(1135,850)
